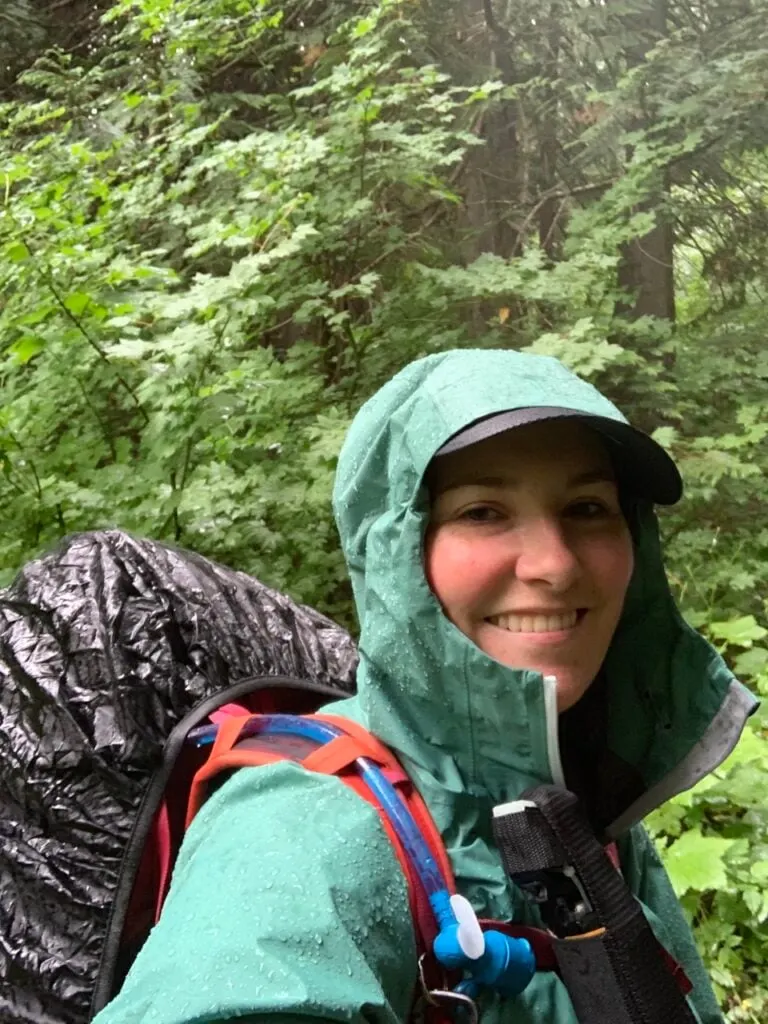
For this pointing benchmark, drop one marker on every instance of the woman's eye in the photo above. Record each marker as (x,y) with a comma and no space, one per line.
(480,514)
(588,509)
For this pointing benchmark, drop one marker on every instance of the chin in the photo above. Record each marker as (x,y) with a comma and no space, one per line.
(571,684)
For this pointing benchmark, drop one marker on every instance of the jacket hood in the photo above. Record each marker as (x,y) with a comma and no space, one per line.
(471,724)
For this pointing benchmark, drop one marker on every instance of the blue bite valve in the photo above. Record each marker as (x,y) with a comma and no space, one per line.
(507,965)
(490,958)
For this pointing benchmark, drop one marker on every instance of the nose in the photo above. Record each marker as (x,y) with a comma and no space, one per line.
(547,555)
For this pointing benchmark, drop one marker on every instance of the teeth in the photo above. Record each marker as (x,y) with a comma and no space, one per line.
(535,623)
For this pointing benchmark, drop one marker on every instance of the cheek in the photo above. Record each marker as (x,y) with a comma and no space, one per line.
(456,572)
(442,565)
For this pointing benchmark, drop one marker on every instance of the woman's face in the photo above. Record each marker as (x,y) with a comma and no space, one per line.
(528,551)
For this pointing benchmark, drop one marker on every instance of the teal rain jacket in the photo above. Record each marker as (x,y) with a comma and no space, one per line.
(287,898)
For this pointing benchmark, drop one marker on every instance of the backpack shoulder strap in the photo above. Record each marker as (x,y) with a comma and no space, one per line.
(337,757)
(409,793)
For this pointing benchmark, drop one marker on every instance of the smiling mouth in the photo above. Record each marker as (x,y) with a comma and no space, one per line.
(537,623)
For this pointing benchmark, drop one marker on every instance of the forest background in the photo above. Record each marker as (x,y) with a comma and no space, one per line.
(224,223)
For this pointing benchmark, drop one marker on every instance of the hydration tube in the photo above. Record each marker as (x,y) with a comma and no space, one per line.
(377,782)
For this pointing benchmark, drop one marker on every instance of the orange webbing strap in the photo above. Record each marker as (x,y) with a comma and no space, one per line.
(422,915)
(421,911)
(428,829)
(364,742)
(330,759)
(356,783)
(369,746)
(224,758)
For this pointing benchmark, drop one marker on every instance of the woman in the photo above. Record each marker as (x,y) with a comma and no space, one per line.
(516,627)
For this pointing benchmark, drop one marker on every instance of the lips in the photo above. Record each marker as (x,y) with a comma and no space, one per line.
(539,623)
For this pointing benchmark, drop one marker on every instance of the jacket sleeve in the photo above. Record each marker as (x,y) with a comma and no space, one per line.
(650,882)
(287,898)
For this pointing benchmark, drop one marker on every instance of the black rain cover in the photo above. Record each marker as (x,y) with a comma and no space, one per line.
(105,645)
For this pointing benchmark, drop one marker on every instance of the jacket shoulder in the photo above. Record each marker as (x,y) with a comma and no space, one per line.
(286,885)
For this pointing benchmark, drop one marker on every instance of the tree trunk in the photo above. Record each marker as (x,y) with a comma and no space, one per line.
(646,270)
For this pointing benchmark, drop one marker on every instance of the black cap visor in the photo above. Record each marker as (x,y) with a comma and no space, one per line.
(642,466)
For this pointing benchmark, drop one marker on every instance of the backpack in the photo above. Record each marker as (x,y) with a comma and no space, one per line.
(106,644)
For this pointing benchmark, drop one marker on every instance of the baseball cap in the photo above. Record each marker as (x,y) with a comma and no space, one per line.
(642,466)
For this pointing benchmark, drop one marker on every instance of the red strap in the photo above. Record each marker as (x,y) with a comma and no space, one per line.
(164,856)
(228,711)
(417,912)
(413,799)
(613,855)
(335,758)
(369,746)
(329,758)
(677,971)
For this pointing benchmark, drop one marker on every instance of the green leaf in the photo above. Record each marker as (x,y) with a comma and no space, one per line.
(17,252)
(759,871)
(740,632)
(666,820)
(77,302)
(757,899)
(751,747)
(751,662)
(363,27)
(26,348)
(695,862)
(665,436)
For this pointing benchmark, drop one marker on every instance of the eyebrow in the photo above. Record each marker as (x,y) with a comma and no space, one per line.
(590,476)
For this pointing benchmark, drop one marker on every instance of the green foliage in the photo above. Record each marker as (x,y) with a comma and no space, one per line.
(190,305)
(224,224)
(714,840)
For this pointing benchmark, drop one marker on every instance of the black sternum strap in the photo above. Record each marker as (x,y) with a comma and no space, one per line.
(611,962)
